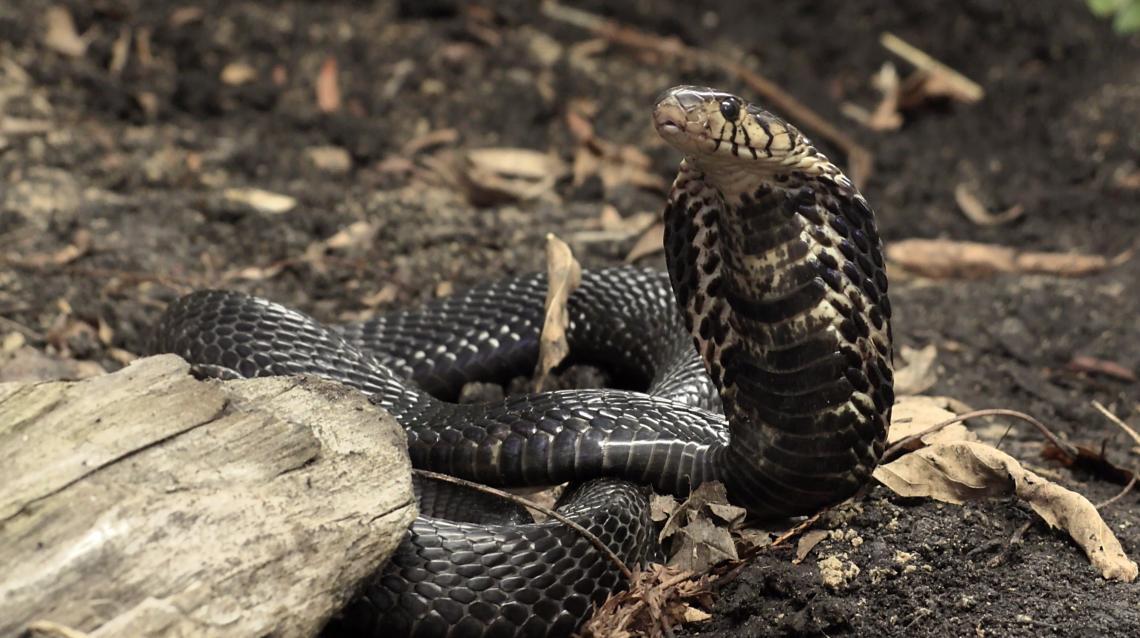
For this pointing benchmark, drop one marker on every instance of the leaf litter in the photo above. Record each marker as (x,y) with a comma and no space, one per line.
(963,471)
(947,463)
(945,259)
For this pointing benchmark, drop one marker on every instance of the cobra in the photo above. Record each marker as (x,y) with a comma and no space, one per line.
(764,358)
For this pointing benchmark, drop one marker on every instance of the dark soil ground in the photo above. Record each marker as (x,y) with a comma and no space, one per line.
(114,171)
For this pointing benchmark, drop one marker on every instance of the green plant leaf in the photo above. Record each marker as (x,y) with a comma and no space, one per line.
(1128,18)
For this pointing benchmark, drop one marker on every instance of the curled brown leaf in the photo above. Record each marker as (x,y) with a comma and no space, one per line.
(963,471)
(563,277)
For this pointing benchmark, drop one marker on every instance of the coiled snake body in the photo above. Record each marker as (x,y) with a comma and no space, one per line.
(776,266)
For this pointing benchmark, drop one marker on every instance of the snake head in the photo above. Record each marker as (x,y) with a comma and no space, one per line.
(718,130)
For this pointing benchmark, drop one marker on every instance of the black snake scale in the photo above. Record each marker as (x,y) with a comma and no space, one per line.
(777,268)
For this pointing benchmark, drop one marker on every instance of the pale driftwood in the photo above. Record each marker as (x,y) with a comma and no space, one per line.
(146,503)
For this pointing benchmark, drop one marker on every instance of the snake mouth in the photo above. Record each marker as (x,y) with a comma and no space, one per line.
(668,117)
(680,127)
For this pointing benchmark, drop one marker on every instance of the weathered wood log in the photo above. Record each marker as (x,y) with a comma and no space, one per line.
(146,503)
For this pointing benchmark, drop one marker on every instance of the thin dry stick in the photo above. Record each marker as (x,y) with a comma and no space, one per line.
(1123,492)
(518,500)
(893,451)
(798,529)
(859,159)
(1135,437)
(1116,420)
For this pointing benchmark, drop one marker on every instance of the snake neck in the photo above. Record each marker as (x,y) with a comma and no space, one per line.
(783,288)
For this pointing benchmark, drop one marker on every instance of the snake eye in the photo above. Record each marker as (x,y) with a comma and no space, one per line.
(730,108)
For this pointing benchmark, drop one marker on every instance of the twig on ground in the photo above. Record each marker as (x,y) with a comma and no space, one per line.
(1124,492)
(859,159)
(518,500)
(1116,421)
(892,452)
(1093,365)
(802,527)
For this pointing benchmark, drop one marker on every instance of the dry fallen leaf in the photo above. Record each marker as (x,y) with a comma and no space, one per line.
(944,258)
(563,277)
(661,506)
(918,375)
(707,493)
(1067,264)
(493,175)
(808,541)
(696,541)
(965,471)
(911,415)
(700,544)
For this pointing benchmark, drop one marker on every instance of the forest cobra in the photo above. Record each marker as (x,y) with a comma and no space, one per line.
(776,267)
